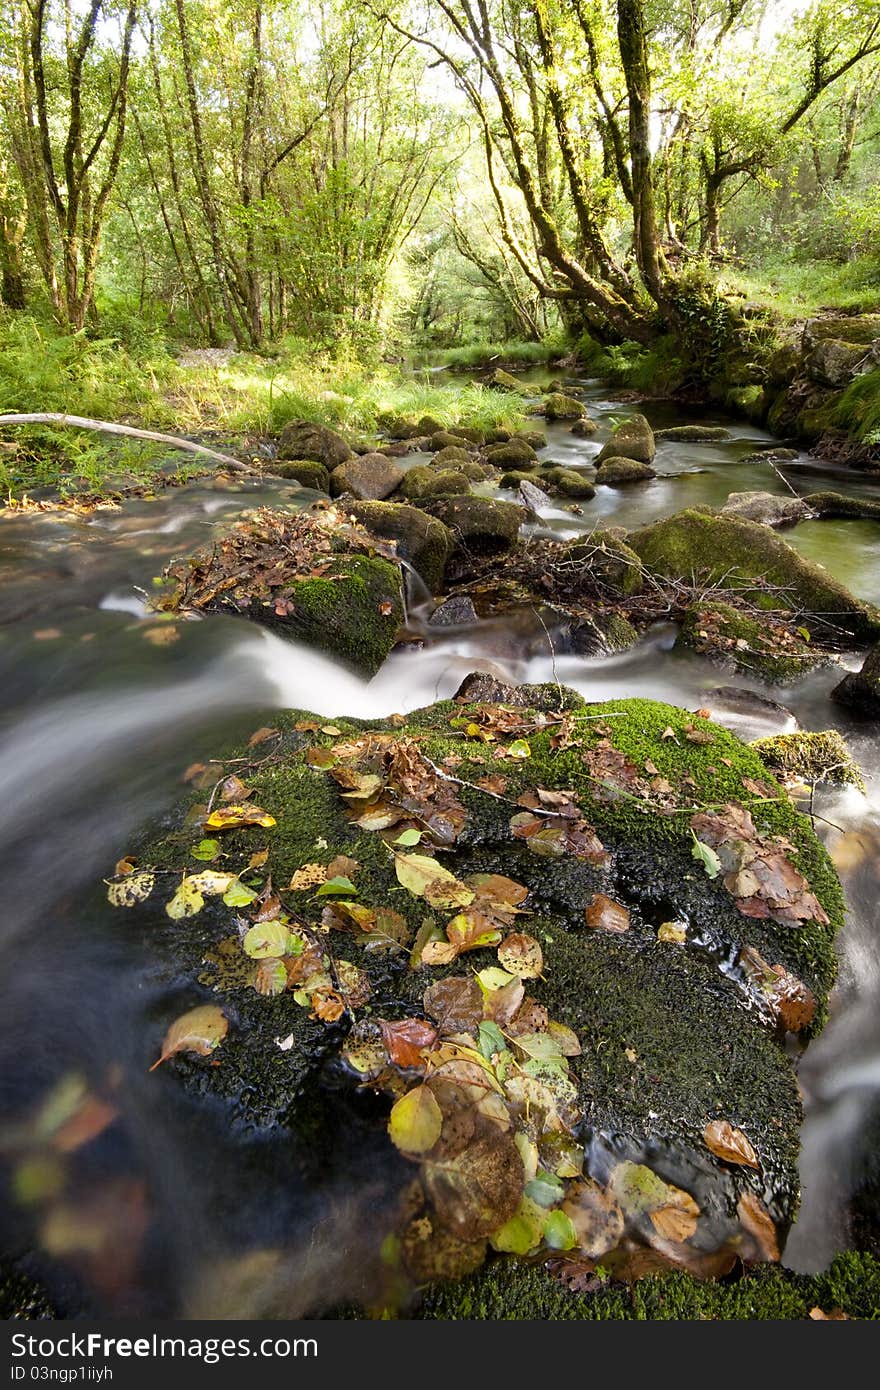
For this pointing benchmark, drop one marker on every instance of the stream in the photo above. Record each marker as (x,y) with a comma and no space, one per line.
(168,1213)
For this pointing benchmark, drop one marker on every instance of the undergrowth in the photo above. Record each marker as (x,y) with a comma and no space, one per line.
(858,410)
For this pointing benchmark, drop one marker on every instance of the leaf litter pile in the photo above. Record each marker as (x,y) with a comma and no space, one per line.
(481,1081)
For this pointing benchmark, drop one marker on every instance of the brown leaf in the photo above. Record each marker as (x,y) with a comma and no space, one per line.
(456,1004)
(729,1144)
(342,867)
(521,955)
(604,914)
(200,1030)
(836,1315)
(233,789)
(576,1273)
(327,1005)
(479,1189)
(756,1220)
(432,1253)
(596,1216)
(261,735)
(405,1039)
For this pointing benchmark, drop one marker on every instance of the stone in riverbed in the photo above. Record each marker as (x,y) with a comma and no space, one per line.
(446,439)
(822,756)
(758,647)
(458,611)
(767,508)
(694,434)
(370,477)
(304,471)
(302,439)
(558,406)
(634,439)
(584,427)
(570,482)
(536,439)
(480,525)
(422,540)
(718,550)
(614,471)
(834,504)
(608,561)
(451,457)
(861,689)
(421,482)
(771,456)
(834,363)
(499,380)
(515,454)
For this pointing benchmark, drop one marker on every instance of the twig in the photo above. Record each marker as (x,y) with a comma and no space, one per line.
(81,422)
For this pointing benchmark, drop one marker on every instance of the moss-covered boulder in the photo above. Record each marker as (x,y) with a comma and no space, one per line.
(421,540)
(559,406)
(536,439)
(499,380)
(453,456)
(304,471)
(609,561)
(863,329)
(397,426)
(515,454)
(730,550)
(633,439)
(480,525)
(643,1097)
(861,689)
(429,424)
(570,482)
(694,434)
(421,482)
(369,477)
(835,504)
(767,508)
(833,362)
(615,472)
(303,439)
(447,439)
(737,641)
(819,756)
(514,476)
(315,577)
(584,427)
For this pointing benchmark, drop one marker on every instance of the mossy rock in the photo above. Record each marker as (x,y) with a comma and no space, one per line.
(368,477)
(571,483)
(303,439)
(422,481)
(739,642)
(725,549)
(559,406)
(480,525)
(536,439)
(429,424)
(634,439)
(445,439)
(848,328)
(397,426)
(770,456)
(861,689)
(694,434)
(510,1290)
(670,1038)
(515,476)
(304,471)
(584,427)
(422,540)
(767,508)
(515,454)
(610,561)
(471,433)
(835,504)
(499,380)
(814,757)
(750,401)
(616,472)
(453,456)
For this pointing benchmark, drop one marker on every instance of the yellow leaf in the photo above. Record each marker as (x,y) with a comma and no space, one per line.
(200,1030)
(187,901)
(416,1121)
(132,889)
(231,817)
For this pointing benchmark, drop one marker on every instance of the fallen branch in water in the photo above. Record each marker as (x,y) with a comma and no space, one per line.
(80,422)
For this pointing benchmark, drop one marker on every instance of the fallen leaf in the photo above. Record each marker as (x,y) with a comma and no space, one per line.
(405,1040)
(266,940)
(261,735)
(233,789)
(521,955)
(270,976)
(604,914)
(729,1144)
(233,816)
(132,889)
(596,1216)
(456,1004)
(425,878)
(337,887)
(757,1221)
(415,1121)
(187,901)
(201,1030)
(836,1314)
(475,1191)
(432,1253)
(308,876)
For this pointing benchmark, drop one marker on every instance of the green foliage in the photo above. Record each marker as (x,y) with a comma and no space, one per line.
(858,409)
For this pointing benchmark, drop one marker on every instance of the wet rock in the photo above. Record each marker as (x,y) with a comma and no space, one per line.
(370,478)
(499,380)
(470,433)
(861,689)
(558,406)
(301,439)
(609,561)
(766,508)
(422,540)
(514,454)
(571,483)
(747,713)
(514,476)
(759,647)
(497,436)
(614,471)
(771,574)
(429,424)
(304,471)
(694,434)
(451,457)
(536,439)
(813,757)
(398,426)
(531,495)
(602,633)
(480,525)
(634,439)
(584,427)
(771,456)
(834,504)
(423,482)
(458,611)
(446,439)
(834,363)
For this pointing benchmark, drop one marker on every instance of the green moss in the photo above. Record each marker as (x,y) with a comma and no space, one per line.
(816,757)
(509,1290)
(835,504)
(422,540)
(342,611)
(610,561)
(422,482)
(743,643)
(696,546)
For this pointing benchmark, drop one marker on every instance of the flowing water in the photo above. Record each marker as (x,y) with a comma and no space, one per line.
(168,1213)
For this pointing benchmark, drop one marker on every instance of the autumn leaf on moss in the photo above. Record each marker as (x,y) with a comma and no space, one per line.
(405,1040)
(270,976)
(596,1217)
(521,955)
(187,901)
(233,817)
(729,1144)
(415,1121)
(201,1030)
(132,889)
(425,878)
(604,914)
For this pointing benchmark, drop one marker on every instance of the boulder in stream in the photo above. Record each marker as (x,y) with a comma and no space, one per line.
(584,427)
(604,1075)
(559,406)
(305,471)
(767,508)
(634,439)
(614,471)
(500,380)
(740,641)
(861,689)
(303,439)
(694,434)
(706,547)
(515,454)
(836,505)
(368,477)
(423,481)
(480,525)
(421,540)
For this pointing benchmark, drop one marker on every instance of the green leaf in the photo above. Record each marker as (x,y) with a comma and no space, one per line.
(339,887)
(415,1121)
(206,849)
(541,1047)
(522,1232)
(425,878)
(408,838)
(546,1190)
(559,1232)
(491,1040)
(519,749)
(238,894)
(705,855)
(266,939)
